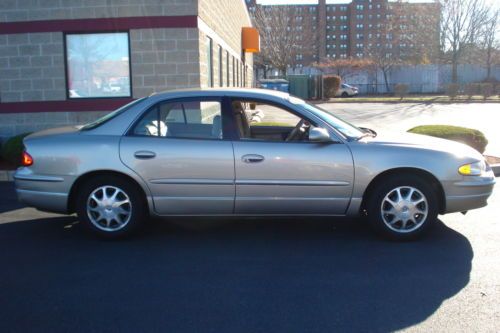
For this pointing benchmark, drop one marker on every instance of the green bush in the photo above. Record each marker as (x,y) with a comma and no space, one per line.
(401,90)
(331,84)
(470,137)
(12,149)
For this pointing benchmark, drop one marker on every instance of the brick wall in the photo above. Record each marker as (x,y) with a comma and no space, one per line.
(28,10)
(225,18)
(32,64)
(164,59)
(31,67)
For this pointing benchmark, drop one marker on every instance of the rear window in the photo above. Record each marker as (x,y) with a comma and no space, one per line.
(111,115)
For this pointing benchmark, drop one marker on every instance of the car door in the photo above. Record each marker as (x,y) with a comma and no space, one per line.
(289,177)
(177,147)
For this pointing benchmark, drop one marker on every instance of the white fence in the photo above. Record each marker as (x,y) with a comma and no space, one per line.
(419,78)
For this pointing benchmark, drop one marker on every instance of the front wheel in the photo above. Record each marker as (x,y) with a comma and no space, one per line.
(110,206)
(402,207)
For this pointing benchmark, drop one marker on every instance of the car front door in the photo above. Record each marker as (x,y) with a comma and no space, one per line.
(279,174)
(178,149)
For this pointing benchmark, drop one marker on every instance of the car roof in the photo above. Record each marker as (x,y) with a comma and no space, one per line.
(239,92)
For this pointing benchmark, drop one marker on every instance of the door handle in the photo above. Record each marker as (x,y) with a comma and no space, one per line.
(144,154)
(252,158)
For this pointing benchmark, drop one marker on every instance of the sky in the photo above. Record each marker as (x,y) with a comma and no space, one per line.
(313,2)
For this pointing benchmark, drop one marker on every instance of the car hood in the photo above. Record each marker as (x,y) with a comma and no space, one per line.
(53,132)
(424,142)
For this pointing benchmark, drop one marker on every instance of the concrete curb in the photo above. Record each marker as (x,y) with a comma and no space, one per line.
(402,102)
(6,175)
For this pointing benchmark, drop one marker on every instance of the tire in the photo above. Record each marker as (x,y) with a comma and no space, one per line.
(344,94)
(111,206)
(404,216)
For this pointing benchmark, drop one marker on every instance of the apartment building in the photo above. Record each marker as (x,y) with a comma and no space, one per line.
(360,28)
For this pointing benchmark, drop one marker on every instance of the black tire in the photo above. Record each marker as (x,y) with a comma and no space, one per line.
(344,94)
(389,186)
(137,207)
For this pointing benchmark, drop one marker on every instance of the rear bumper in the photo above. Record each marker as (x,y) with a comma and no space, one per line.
(46,201)
(469,194)
(44,192)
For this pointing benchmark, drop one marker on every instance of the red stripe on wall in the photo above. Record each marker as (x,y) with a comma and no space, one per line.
(100,24)
(102,104)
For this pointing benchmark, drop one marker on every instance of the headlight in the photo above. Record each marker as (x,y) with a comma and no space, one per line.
(473,169)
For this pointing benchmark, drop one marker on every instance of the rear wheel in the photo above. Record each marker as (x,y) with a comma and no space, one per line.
(402,207)
(345,94)
(110,206)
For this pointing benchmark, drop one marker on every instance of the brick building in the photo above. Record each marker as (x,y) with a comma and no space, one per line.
(68,62)
(356,28)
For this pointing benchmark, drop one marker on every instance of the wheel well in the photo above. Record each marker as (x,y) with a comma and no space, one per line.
(83,178)
(431,179)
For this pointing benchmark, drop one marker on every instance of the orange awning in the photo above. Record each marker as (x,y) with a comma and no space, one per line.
(250,40)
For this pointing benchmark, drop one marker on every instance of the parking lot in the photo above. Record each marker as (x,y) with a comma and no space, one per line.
(400,117)
(247,275)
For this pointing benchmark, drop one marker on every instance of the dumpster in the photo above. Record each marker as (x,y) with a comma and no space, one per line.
(274,84)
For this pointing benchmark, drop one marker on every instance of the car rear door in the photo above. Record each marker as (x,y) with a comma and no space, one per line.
(178,148)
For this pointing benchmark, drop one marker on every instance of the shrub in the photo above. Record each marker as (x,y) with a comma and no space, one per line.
(331,84)
(452,90)
(487,90)
(401,90)
(12,149)
(470,137)
(471,89)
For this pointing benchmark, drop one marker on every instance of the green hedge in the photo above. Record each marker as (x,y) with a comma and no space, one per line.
(470,137)
(12,149)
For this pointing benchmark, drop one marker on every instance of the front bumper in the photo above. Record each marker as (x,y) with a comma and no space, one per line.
(469,193)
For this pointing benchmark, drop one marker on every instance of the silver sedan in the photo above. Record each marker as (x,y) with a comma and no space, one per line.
(245,152)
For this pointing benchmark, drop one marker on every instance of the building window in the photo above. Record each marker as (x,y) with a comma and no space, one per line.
(227,68)
(234,74)
(237,69)
(210,63)
(98,65)
(221,74)
(359,7)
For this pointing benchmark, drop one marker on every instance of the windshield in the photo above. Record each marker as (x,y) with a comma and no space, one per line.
(348,130)
(111,115)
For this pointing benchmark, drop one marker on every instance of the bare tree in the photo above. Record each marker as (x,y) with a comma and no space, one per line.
(408,34)
(461,24)
(344,68)
(490,42)
(287,37)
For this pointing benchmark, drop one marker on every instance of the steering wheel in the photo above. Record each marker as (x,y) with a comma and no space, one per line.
(299,132)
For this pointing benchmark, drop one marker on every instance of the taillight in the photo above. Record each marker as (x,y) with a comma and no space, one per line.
(26,160)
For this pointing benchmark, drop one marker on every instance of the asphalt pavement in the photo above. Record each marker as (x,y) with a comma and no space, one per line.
(247,275)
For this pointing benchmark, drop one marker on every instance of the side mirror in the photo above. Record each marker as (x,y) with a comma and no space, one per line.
(318,134)
(368,130)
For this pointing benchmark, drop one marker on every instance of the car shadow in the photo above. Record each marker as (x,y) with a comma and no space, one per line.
(236,275)
(8,197)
